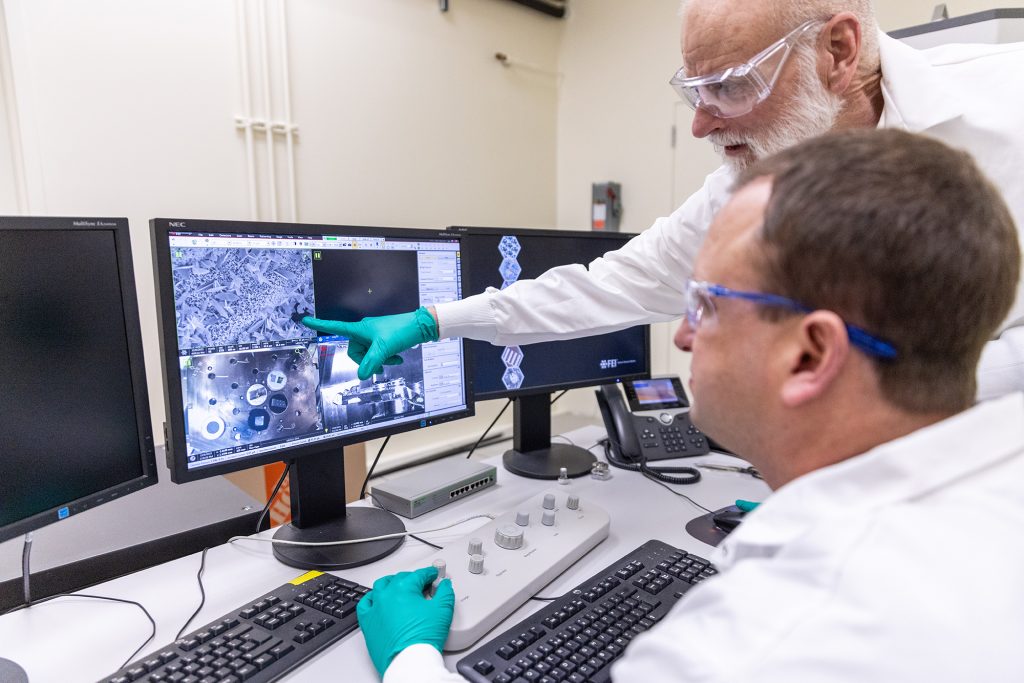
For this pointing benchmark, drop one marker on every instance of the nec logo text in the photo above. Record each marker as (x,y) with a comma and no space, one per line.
(177,224)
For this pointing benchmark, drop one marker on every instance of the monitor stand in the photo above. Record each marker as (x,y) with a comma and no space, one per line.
(11,672)
(319,514)
(533,455)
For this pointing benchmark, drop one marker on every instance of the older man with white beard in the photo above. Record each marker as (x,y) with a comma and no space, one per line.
(761,76)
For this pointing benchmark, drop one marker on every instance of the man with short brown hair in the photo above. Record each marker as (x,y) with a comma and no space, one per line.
(886,551)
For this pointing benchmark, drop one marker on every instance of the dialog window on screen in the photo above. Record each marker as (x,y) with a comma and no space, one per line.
(254,380)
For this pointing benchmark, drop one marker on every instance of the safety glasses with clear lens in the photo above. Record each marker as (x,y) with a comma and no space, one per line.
(735,91)
(700,308)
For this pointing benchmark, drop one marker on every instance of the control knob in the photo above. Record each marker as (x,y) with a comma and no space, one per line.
(549,501)
(476,564)
(476,546)
(509,537)
(441,567)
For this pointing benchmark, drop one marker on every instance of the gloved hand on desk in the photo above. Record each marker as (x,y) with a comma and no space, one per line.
(395,614)
(375,342)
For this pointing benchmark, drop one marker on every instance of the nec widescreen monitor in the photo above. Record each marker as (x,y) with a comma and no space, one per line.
(499,257)
(247,384)
(74,410)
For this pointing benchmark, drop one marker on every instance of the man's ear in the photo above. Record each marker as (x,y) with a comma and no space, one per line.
(841,41)
(819,349)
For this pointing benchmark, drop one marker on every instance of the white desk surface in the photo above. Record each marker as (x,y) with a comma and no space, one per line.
(68,639)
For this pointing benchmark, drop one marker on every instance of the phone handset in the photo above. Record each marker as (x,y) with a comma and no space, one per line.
(623,447)
(618,422)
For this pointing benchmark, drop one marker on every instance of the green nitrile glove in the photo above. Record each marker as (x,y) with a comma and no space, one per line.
(746,505)
(395,615)
(376,342)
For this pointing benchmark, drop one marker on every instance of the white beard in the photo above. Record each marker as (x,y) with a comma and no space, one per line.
(813,110)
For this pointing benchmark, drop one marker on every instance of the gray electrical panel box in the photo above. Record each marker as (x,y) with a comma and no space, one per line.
(606,206)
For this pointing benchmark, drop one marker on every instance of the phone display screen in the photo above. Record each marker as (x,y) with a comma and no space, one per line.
(656,393)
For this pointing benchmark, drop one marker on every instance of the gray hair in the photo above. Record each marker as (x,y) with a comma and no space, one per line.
(792,13)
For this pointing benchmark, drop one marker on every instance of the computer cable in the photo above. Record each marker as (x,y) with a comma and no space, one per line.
(127,602)
(659,475)
(362,490)
(691,475)
(426,542)
(560,395)
(563,436)
(26,553)
(266,508)
(202,590)
(352,541)
(672,490)
(149,616)
(376,504)
(489,428)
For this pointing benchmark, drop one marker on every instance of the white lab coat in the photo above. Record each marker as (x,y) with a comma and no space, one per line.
(900,564)
(969,96)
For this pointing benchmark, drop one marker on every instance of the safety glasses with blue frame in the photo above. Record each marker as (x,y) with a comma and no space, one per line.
(700,307)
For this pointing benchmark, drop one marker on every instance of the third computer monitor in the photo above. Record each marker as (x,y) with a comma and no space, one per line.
(499,257)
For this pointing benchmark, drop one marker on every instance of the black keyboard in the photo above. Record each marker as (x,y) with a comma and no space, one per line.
(258,642)
(576,638)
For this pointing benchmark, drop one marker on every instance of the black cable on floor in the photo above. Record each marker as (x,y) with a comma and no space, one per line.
(266,508)
(489,428)
(362,491)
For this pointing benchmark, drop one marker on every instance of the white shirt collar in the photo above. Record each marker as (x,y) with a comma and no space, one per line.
(911,466)
(916,97)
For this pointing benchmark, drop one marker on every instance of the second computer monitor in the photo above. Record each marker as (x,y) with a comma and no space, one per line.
(498,257)
(249,384)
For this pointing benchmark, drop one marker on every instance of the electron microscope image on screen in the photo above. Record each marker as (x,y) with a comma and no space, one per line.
(224,297)
(248,397)
(349,402)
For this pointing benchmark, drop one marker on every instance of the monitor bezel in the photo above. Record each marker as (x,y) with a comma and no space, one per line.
(550,388)
(174,425)
(137,369)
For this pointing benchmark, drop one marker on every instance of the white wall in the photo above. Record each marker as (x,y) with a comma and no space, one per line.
(10,201)
(128,107)
(412,121)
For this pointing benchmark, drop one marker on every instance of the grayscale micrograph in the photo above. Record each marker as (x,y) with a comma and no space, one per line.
(248,397)
(348,402)
(224,297)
